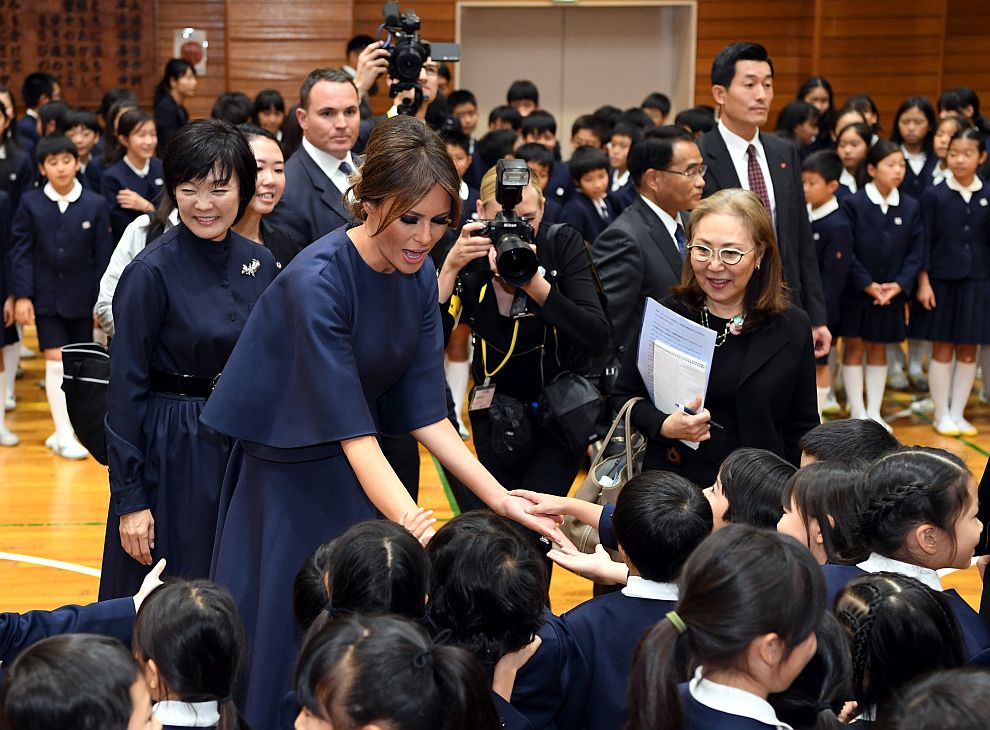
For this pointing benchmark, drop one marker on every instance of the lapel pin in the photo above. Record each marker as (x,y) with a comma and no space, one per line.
(783,165)
(251,269)
(897,221)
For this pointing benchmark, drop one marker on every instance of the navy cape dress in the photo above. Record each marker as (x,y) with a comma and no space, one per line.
(179,308)
(333,350)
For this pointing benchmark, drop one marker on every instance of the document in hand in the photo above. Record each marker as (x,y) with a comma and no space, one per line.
(675,358)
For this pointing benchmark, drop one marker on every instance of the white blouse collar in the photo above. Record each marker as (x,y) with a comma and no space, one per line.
(816,214)
(893,197)
(187,714)
(639,587)
(733,701)
(878,563)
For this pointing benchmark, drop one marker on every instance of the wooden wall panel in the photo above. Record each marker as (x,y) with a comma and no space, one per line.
(274,44)
(967,51)
(206,15)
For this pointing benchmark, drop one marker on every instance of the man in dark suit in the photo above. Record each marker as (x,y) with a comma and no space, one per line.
(737,155)
(316,176)
(642,253)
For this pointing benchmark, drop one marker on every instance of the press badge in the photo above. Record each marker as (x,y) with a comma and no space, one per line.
(481,397)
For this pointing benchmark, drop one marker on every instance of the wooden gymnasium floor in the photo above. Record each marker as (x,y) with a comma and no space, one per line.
(53,511)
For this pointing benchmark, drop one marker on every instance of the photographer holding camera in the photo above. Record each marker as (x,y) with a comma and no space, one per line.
(528,294)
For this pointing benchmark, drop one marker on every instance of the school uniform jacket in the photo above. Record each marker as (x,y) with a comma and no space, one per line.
(793,229)
(581,213)
(956,233)
(559,187)
(636,258)
(110,618)
(119,176)
(538,693)
(624,196)
(724,708)
(27,133)
(57,259)
(17,173)
(885,247)
(92,176)
(169,117)
(833,243)
(312,205)
(916,185)
(6,214)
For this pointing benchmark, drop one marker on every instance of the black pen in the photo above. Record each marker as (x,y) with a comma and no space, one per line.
(688,411)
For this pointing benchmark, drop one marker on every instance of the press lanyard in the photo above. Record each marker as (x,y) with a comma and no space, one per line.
(484,345)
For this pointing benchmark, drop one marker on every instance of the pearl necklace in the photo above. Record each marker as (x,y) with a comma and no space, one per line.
(733,326)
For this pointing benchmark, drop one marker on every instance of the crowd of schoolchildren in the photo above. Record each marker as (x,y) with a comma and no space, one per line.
(779,597)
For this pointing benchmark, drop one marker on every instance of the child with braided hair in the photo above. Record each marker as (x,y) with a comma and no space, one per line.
(898,629)
(743,642)
(918,515)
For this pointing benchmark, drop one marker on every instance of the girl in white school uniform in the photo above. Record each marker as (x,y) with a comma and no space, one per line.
(953,282)
(744,643)
(886,255)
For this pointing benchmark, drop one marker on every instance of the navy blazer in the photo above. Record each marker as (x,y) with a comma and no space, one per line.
(27,133)
(957,233)
(538,693)
(559,187)
(110,618)
(885,247)
(833,242)
(581,213)
(797,251)
(312,205)
(636,258)
(916,185)
(169,117)
(57,259)
(6,213)
(92,176)
(701,717)
(18,173)
(119,176)
(624,196)
(510,717)
(606,630)
(976,633)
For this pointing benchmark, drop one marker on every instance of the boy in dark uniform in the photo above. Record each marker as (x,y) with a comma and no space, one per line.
(590,209)
(60,247)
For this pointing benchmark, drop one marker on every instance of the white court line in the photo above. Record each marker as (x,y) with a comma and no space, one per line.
(59,564)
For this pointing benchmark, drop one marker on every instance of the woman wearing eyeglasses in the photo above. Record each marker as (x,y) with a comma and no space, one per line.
(761,389)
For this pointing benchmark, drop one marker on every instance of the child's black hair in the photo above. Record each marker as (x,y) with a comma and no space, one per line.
(70,681)
(826,120)
(175,68)
(36,85)
(585,160)
(655,150)
(53,112)
(113,150)
(753,482)
(266,100)
(627,129)
(112,97)
(233,107)
(794,113)
(816,697)
(827,164)
(496,145)
(250,131)
(880,150)
(522,91)
(82,118)
(974,134)
(865,132)
(608,115)
(863,103)
(951,698)
(827,491)
(210,147)
(638,118)
(659,519)
(907,488)
(460,97)
(598,127)
(699,120)
(658,101)
(898,629)
(54,144)
(925,107)
(193,633)
(730,594)
(957,99)
(127,124)
(456,138)
(358,43)
(724,65)
(310,596)
(506,113)
(538,122)
(848,438)
(491,585)
(535,152)
(385,671)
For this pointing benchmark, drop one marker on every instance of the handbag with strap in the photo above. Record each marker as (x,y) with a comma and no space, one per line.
(87,375)
(607,476)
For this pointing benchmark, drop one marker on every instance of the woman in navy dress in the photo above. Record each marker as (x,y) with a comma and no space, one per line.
(178,310)
(346,344)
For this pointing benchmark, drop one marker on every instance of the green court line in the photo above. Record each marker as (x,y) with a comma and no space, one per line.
(962,439)
(446,487)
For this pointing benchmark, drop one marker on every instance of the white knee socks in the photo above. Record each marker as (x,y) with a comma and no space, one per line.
(962,385)
(852,376)
(11,358)
(939,383)
(876,384)
(56,402)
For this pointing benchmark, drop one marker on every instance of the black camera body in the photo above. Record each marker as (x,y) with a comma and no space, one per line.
(511,235)
(408,52)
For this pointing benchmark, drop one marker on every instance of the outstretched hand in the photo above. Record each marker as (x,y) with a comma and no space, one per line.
(516,508)
(150,583)
(597,566)
(420,523)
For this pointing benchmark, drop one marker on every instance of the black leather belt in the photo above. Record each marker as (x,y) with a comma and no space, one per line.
(179,384)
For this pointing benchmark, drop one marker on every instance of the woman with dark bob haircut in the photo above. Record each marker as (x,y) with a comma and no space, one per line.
(350,345)
(761,388)
(179,308)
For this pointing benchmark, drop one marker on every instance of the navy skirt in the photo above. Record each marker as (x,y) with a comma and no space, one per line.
(861,318)
(959,316)
(277,507)
(183,470)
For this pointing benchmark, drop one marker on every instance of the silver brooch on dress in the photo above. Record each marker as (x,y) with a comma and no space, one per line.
(251,269)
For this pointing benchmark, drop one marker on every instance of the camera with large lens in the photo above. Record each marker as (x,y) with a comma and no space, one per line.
(510,234)
(408,52)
